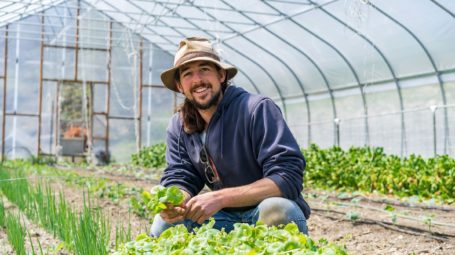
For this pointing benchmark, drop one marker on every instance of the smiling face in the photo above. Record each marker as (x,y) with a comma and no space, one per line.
(200,82)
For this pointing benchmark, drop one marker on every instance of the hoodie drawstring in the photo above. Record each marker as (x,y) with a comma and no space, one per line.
(222,126)
(178,144)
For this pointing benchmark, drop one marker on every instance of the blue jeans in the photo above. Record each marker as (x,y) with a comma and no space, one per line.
(271,211)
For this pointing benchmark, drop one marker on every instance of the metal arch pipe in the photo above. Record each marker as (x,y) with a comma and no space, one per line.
(139,7)
(305,95)
(273,55)
(232,48)
(279,59)
(435,68)
(386,61)
(5,90)
(131,18)
(442,7)
(42,7)
(249,79)
(240,71)
(254,85)
(329,89)
(348,63)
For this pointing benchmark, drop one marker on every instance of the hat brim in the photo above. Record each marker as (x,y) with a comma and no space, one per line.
(168,76)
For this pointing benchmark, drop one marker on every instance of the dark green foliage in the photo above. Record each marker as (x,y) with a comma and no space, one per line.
(153,156)
(370,169)
(43,160)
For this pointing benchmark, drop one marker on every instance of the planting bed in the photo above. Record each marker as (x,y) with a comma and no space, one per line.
(360,222)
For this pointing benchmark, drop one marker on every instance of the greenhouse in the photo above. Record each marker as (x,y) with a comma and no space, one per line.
(85,112)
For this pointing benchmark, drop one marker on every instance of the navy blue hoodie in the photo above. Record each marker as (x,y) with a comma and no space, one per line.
(247,139)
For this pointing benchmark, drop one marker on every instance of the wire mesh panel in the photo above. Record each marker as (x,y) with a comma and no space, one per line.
(122,139)
(385,131)
(322,134)
(23,72)
(445,135)
(2,50)
(20,139)
(352,133)
(125,74)
(99,126)
(298,121)
(49,118)
(419,132)
(156,112)
(321,122)
(92,65)
(58,63)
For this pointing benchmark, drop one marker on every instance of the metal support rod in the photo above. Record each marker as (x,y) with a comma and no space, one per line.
(51,129)
(5,70)
(76,50)
(336,123)
(109,81)
(21,114)
(69,81)
(57,118)
(40,96)
(152,86)
(73,47)
(123,118)
(139,117)
(90,124)
(433,109)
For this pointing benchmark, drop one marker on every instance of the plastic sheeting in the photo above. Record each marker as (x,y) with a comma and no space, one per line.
(344,72)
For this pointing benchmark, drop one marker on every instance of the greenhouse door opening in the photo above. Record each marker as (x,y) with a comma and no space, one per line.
(74,118)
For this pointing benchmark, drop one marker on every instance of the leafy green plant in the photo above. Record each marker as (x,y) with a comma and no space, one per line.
(244,239)
(428,220)
(139,204)
(43,160)
(147,204)
(352,216)
(370,169)
(161,197)
(153,156)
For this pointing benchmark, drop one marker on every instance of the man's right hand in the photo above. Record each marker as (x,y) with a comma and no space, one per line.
(173,214)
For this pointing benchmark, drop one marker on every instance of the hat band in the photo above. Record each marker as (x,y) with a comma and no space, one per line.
(196,54)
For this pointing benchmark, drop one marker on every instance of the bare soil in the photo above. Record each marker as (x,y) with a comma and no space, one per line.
(374,232)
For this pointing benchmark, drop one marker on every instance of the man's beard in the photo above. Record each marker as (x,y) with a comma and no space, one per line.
(212,102)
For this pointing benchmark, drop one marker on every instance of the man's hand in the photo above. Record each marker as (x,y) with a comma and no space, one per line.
(173,214)
(201,207)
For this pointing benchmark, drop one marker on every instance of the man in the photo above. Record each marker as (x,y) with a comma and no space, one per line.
(236,143)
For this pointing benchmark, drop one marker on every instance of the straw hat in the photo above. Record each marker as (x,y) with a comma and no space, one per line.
(194,49)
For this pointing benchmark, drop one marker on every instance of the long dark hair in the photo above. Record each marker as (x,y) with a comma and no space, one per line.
(192,120)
